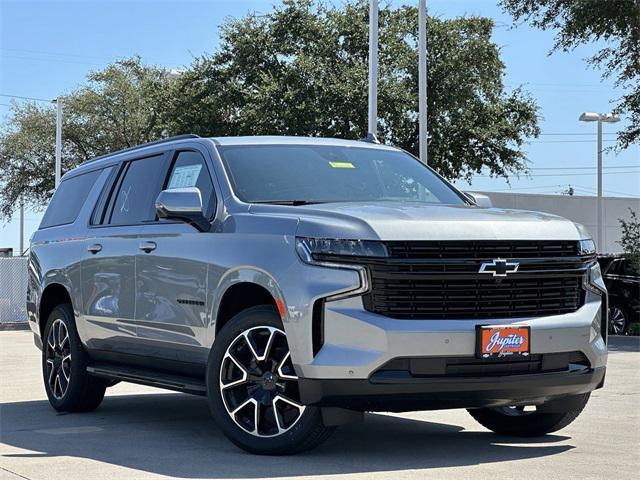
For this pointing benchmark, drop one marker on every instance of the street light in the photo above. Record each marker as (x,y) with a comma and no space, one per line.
(600,118)
(58,164)
(373,70)
(422,75)
(422,79)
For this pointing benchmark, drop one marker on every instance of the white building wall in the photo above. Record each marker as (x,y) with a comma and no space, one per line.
(580,209)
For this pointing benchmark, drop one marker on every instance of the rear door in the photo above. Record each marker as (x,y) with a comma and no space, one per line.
(108,270)
(171,272)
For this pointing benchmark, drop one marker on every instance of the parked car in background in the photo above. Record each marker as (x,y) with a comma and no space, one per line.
(622,278)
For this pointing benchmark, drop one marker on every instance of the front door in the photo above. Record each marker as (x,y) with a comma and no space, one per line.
(171,274)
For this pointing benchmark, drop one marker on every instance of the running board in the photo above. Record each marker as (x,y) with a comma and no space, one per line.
(150,378)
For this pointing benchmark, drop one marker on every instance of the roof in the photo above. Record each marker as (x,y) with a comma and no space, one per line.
(110,158)
(293,140)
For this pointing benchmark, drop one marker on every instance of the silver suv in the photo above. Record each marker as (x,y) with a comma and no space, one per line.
(298,282)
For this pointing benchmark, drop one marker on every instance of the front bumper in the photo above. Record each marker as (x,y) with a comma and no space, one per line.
(386,393)
(356,342)
(348,371)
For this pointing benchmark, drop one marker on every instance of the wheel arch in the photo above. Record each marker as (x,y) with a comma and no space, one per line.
(245,288)
(54,294)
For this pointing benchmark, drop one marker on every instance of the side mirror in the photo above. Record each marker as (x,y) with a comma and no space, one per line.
(480,199)
(184,204)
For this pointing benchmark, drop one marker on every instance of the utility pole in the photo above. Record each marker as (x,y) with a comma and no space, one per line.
(373,68)
(599,188)
(58,168)
(422,79)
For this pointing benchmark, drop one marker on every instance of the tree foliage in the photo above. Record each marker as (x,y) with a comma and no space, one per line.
(616,23)
(630,239)
(120,106)
(301,69)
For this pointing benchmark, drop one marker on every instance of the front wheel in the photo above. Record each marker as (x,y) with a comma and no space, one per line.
(526,421)
(253,390)
(617,320)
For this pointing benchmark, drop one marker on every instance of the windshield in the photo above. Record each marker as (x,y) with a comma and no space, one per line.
(299,174)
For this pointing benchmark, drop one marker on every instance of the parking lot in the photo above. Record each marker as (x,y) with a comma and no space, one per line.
(141,432)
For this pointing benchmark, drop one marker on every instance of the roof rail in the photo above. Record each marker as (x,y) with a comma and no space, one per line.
(148,144)
(370,138)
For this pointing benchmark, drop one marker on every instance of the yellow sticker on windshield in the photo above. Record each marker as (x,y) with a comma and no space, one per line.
(341,164)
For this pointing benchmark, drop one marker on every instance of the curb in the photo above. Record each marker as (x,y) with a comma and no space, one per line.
(13,326)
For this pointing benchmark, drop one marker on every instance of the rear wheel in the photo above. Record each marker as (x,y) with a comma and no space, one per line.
(253,389)
(64,366)
(525,421)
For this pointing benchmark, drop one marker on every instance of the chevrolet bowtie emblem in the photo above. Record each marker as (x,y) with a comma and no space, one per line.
(499,267)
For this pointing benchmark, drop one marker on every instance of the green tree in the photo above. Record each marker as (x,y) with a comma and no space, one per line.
(299,70)
(616,23)
(302,70)
(120,106)
(630,239)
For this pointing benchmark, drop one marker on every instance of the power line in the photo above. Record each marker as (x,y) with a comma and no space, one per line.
(56,60)
(581,133)
(25,98)
(104,60)
(585,168)
(572,174)
(567,141)
(584,174)
(593,190)
(42,52)
(572,85)
(563,186)
(527,188)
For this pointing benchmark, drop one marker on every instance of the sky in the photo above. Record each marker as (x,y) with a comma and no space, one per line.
(48,47)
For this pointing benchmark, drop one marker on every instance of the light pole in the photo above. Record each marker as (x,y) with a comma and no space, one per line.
(373,69)
(600,118)
(58,167)
(21,226)
(422,79)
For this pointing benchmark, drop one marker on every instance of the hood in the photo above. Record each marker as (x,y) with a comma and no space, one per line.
(416,221)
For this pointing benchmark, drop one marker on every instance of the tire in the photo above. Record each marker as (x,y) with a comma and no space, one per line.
(618,319)
(250,365)
(518,423)
(64,366)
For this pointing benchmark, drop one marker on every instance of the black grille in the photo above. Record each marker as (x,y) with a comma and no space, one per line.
(441,280)
(482,249)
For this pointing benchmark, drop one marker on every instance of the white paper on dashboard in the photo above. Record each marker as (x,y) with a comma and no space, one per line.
(185,176)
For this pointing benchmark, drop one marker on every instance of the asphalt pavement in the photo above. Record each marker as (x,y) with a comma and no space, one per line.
(144,433)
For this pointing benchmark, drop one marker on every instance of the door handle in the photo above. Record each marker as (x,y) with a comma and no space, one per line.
(147,246)
(95,248)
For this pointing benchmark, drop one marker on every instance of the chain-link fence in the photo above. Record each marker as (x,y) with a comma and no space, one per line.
(13,290)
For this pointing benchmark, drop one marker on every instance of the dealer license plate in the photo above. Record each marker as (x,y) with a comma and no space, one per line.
(503,341)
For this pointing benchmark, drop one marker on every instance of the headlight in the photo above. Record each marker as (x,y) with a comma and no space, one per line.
(586,247)
(311,250)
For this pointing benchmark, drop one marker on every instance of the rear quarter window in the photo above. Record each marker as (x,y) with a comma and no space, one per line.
(68,200)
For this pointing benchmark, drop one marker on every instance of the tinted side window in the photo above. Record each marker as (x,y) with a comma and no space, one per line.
(629,268)
(190,170)
(68,200)
(134,202)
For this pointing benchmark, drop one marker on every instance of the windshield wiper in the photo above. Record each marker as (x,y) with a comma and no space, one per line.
(295,203)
